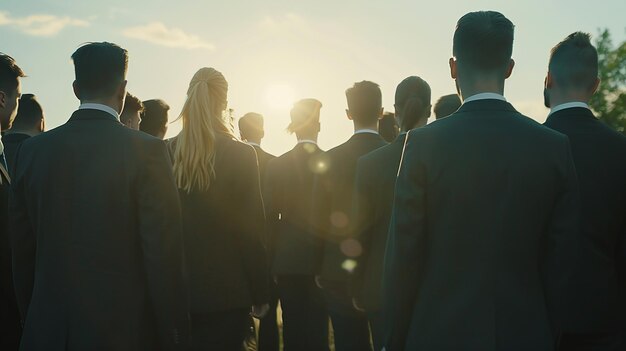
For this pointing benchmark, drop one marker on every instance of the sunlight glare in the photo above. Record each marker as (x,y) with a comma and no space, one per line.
(280,96)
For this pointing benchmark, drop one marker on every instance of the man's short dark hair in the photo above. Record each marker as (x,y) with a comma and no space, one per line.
(364,101)
(251,126)
(99,68)
(388,127)
(574,61)
(29,113)
(9,73)
(447,105)
(154,116)
(132,105)
(483,41)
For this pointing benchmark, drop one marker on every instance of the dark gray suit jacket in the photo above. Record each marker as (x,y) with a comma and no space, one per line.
(97,245)
(483,230)
(373,200)
(600,285)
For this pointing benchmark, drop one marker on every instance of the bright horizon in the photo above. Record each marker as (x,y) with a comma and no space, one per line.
(277,52)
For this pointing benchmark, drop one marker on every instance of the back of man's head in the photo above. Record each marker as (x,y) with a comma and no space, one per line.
(483,42)
(574,63)
(100,69)
(29,115)
(447,105)
(154,117)
(131,114)
(305,118)
(251,127)
(364,102)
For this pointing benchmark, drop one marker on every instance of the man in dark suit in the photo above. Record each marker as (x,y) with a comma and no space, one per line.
(28,122)
(96,227)
(331,215)
(288,196)
(485,214)
(10,90)
(597,316)
(373,199)
(252,132)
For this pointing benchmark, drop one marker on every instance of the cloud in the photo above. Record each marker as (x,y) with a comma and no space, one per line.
(158,33)
(41,25)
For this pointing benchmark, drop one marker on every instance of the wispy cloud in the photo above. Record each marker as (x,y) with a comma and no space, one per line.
(40,25)
(158,33)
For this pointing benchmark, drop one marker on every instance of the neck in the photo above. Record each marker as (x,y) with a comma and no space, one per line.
(557,98)
(472,87)
(312,137)
(361,126)
(107,102)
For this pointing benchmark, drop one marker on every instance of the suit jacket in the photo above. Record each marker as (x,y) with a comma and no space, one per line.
(96,234)
(263,158)
(11,142)
(483,229)
(288,197)
(600,157)
(9,315)
(373,199)
(224,231)
(332,204)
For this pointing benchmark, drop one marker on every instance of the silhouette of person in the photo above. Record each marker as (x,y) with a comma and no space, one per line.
(223,218)
(331,215)
(447,105)
(28,122)
(10,91)
(288,197)
(388,127)
(484,222)
(95,220)
(373,199)
(131,114)
(597,315)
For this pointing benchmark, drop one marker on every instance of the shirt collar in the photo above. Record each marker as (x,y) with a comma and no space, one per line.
(571,104)
(100,107)
(254,144)
(366,131)
(484,96)
(308,141)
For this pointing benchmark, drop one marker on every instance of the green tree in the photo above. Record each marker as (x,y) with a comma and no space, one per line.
(609,102)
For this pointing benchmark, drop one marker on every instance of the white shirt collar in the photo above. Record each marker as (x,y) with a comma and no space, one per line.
(484,96)
(572,104)
(254,144)
(101,107)
(309,141)
(364,131)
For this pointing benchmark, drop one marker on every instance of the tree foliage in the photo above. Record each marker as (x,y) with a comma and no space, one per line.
(609,102)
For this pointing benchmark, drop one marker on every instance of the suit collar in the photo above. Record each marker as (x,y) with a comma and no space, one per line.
(572,113)
(92,114)
(366,136)
(486,105)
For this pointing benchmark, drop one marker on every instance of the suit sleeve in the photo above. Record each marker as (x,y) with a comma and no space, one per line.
(23,242)
(362,214)
(160,231)
(271,200)
(251,229)
(562,243)
(405,247)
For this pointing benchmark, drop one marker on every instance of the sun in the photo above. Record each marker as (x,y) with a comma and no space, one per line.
(280,96)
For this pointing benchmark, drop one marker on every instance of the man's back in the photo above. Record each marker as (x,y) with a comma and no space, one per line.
(483,198)
(332,204)
(599,154)
(289,192)
(99,203)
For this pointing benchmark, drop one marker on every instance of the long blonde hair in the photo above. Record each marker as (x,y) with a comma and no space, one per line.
(203,118)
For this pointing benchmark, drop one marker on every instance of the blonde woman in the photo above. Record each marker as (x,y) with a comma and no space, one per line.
(223,219)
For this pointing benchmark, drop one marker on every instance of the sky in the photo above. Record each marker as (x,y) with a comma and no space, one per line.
(275,52)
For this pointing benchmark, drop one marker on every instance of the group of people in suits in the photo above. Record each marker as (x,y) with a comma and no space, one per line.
(483,230)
